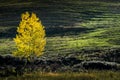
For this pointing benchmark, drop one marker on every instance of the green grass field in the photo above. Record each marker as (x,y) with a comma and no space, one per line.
(99,20)
(71,26)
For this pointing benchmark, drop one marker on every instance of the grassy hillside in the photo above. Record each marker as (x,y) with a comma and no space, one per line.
(70,25)
(81,35)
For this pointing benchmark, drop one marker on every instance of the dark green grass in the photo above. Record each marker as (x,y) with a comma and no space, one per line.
(69,28)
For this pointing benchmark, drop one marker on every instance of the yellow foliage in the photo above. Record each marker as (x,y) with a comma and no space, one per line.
(30,40)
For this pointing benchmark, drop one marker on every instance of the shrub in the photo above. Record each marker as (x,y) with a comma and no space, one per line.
(30,40)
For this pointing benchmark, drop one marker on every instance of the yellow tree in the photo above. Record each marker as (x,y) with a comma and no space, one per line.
(30,40)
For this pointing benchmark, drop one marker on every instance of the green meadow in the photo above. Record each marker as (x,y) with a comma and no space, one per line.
(84,24)
(72,27)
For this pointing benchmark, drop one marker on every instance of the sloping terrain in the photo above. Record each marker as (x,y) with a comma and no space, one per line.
(86,30)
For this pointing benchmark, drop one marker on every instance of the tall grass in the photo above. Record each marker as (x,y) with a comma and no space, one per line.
(91,75)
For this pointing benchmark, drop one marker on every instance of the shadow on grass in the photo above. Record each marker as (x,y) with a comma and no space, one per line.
(61,31)
(9,33)
(54,31)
